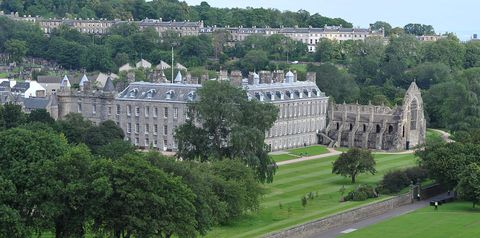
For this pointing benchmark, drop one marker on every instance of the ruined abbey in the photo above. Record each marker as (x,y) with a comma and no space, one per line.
(377,127)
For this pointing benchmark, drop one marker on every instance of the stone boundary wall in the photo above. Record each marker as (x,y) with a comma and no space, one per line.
(344,218)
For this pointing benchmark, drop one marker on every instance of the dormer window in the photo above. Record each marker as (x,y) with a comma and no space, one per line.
(271,96)
(191,96)
(151,93)
(307,93)
(315,92)
(170,94)
(133,93)
(298,94)
(289,94)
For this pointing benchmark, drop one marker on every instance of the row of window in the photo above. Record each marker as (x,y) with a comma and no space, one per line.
(296,127)
(302,109)
(153,143)
(147,111)
(147,130)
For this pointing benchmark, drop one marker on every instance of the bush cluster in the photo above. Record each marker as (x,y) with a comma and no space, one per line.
(395,181)
(361,193)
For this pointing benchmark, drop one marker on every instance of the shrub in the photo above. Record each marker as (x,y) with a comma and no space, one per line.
(394,181)
(361,193)
(416,174)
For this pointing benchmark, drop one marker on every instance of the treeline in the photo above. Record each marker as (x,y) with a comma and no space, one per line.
(371,71)
(169,10)
(71,178)
(126,43)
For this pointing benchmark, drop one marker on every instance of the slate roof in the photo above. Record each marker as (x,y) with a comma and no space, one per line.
(36,103)
(165,92)
(21,87)
(49,79)
(179,92)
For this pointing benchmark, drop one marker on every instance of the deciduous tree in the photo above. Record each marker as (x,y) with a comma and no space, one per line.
(354,162)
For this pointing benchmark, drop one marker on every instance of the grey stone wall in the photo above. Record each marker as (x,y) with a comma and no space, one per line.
(344,218)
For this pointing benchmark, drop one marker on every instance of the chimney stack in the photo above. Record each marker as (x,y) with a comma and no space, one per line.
(236,78)
(311,77)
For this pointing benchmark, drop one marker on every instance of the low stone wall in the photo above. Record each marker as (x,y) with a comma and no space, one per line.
(344,218)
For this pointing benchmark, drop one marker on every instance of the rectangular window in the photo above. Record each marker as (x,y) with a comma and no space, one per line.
(147,142)
(165,143)
(155,112)
(109,111)
(137,128)
(129,127)
(129,110)
(155,144)
(155,129)
(147,111)
(118,109)
(137,111)
(79,109)
(94,109)
(165,112)
(165,130)
(147,128)
(136,141)
(175,112)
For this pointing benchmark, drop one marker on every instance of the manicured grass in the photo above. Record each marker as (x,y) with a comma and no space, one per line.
(453,220)
(433,136)
(281,206)
(298,67)
(309,150)
(283,157)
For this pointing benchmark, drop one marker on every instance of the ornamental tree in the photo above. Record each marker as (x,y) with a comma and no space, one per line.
(355,161)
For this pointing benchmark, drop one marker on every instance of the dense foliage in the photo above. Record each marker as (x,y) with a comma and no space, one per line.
(72,178)
(169,10)
(395,181)
(234,128)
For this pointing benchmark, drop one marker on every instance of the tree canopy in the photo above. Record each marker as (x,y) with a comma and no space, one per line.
(354,162)
(233,129)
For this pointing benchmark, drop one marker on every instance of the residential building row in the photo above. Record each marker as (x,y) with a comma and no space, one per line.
(310,36)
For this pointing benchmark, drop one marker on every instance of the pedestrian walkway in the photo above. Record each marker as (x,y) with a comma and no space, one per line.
(373,220)
(331,152)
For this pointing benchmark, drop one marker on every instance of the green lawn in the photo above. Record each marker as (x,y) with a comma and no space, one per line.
(281,206)
(309,150)
(298,67)
(283,157)
(453,220)
(433,136)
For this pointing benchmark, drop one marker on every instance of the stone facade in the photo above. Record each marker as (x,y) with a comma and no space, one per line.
(310,36)
(149,112)
(378,127)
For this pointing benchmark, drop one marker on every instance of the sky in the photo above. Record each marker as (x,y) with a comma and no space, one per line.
(458,16)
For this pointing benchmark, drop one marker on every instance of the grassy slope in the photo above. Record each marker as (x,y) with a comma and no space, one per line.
(283,157)
(309,150)
(433,136)
(294,181)
(454,220)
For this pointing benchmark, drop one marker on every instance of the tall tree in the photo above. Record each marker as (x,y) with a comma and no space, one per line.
(17,49)
(233,129)
(468,187)
(354,162)
(146,202)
